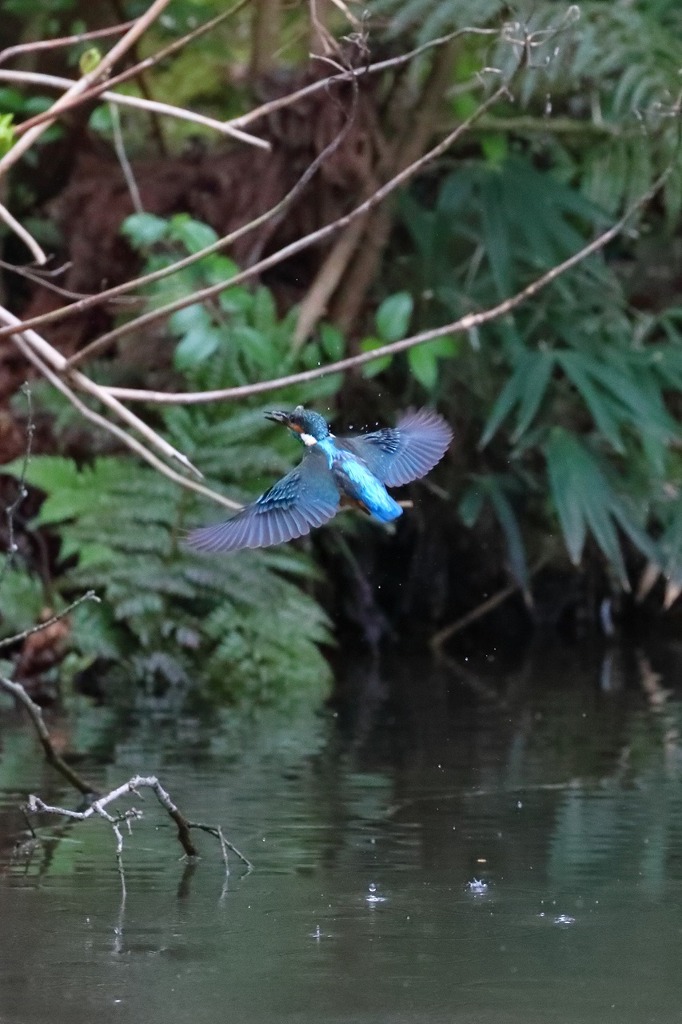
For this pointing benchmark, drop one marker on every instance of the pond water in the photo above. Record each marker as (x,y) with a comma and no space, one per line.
(450,847)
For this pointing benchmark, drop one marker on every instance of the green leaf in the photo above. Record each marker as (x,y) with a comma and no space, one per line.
(189,318)
(600,404)
(191,233)
(196,347)
(538,376)
(393,316)
(526,388)
(423,359)
(506,516)
(7,129)
(584,498)
(471,504)
(332,341)
(89,60)
(144,229)
(377,365)
(671,545)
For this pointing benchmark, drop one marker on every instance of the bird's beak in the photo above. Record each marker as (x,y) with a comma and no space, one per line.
(278,417)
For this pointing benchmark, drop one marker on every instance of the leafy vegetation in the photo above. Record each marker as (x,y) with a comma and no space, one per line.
(569,405)
(236,629)
(574,395)
(573,398)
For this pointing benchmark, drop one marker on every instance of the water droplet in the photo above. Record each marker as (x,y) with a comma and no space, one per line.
(477,887)
(371,896)
(564,919)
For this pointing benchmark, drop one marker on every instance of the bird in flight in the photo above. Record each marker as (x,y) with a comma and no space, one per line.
(352,470)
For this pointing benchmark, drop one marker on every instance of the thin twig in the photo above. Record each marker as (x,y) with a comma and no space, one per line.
(25,236)
(135,70)
(8,641)
(117,432)
(344,76)
(53,44)
(482,609)
(41,279)
(463,325)
(140,26)
(136,102)
(31,340)
(36,715)
(224,842)
(124,162)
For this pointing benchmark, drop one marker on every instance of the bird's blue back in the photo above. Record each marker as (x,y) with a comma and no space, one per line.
(355,481)
(358,467)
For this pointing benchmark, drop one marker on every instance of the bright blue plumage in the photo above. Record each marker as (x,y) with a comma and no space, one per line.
(353,470)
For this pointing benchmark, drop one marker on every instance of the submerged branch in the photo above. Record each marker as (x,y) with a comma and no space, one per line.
(184,826)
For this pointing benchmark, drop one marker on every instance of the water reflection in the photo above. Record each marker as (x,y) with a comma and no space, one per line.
(450,846)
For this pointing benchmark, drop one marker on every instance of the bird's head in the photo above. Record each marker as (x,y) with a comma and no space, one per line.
(310,427)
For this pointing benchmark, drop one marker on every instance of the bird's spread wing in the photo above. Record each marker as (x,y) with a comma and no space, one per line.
(304,498)
(397,455)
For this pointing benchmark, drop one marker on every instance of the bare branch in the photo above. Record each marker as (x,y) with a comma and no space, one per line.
(481,610)
(25,236)
(124,162)
(8,641)
(42,280)
(315,237)
(122,100)
(130,442)
(344,76)
(54,44)
(31,341)
(184,826)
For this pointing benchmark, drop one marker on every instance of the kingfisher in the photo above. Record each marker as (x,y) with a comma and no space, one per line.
(334,471)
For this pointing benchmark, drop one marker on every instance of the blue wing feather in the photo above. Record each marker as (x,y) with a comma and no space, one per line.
(304,498)
(397,455)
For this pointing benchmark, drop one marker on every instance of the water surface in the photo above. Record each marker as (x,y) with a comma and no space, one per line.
(449,847)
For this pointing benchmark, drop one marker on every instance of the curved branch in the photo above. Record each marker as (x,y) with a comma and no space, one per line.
(137,103)
(25,236)
(112,428)
(31,342)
